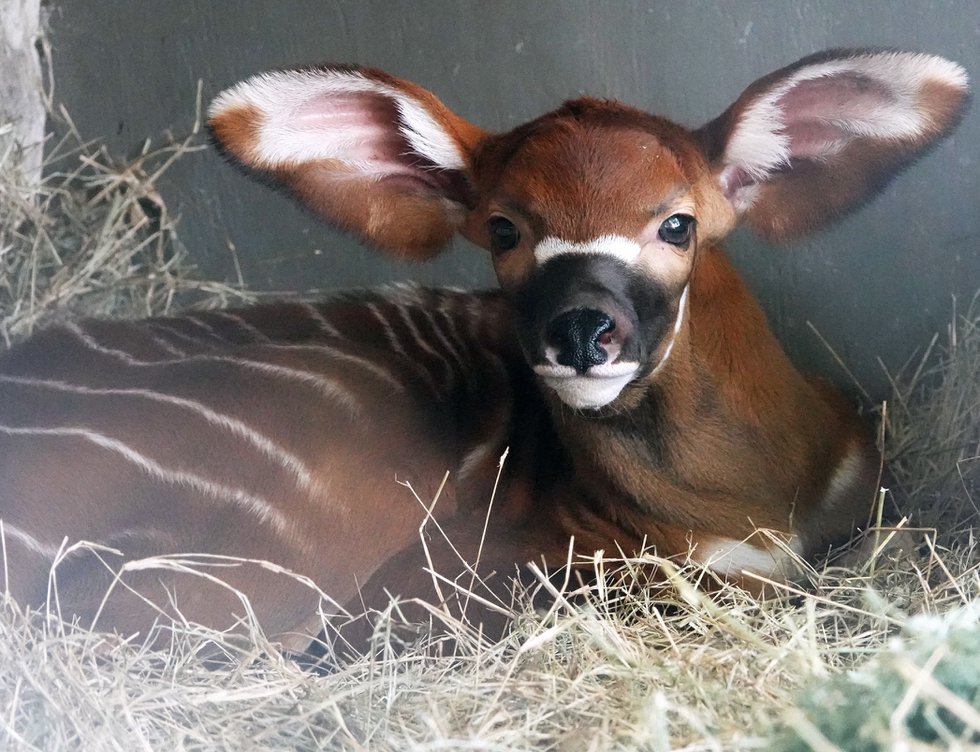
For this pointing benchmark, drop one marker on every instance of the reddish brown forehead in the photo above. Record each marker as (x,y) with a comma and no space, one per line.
(577,174)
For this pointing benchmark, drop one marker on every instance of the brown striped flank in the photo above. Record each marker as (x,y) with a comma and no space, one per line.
(623,365)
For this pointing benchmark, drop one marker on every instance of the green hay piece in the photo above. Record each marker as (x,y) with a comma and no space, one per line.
(907,694)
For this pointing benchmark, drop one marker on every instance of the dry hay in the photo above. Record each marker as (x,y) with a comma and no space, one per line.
(879,651)
(95,238)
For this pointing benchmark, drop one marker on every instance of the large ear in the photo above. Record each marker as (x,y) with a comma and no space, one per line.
(380,157)
(812,141)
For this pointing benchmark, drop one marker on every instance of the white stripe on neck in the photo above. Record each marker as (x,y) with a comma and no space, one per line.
(677,328)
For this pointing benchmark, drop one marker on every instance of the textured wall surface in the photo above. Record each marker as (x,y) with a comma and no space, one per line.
(877,285)
(21,103)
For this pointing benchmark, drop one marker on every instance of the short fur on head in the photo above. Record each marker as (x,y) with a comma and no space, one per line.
(835,125)
(624,364)
(385,159)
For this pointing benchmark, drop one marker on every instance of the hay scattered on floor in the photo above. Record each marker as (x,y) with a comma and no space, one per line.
(934,431)
(621,671)
(96,238)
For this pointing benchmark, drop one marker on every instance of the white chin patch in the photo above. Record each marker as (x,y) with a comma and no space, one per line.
(599,386)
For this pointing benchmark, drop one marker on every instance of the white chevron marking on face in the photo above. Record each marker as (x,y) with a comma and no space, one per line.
(605,245)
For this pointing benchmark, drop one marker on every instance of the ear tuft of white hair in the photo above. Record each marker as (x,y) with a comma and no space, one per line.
(825,112)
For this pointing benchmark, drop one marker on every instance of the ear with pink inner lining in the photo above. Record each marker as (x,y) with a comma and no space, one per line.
(816,139)
(371,153)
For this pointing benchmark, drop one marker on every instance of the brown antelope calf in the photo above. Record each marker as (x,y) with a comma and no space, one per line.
(623,362)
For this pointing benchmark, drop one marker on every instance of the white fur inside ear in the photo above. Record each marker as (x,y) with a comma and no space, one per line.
(889,109)
(297,128)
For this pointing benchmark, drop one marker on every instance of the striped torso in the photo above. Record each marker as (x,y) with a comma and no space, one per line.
(270,430)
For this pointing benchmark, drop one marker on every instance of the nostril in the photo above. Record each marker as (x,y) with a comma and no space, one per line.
(579,336)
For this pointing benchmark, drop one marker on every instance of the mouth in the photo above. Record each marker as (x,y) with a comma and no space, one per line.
(595,388)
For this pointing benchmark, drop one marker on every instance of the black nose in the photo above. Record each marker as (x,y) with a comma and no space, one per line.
(576,334)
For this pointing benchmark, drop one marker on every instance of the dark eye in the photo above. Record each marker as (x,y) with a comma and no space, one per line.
(676,229)
(504,234)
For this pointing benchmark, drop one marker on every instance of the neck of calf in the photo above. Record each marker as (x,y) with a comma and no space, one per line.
(727,438)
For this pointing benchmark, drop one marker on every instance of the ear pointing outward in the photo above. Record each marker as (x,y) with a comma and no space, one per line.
(375,155)
(813,140)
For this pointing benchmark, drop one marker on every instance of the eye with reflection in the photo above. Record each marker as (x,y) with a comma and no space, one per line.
(677,229)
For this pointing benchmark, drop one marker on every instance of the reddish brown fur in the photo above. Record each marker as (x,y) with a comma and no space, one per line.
(693,455)
(236,130)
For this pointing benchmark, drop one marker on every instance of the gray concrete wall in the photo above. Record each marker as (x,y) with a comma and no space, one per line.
(879,284)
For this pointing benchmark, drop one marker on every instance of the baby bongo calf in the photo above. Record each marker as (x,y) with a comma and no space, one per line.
(623,361)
